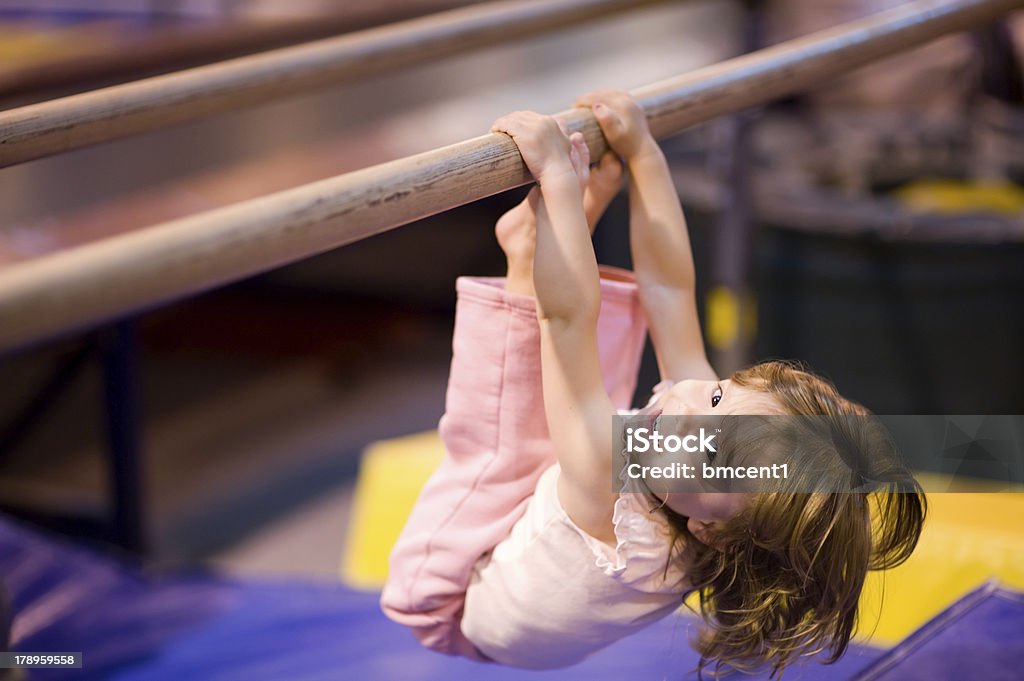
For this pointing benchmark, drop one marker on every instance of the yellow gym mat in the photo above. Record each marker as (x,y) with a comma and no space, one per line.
(391,475)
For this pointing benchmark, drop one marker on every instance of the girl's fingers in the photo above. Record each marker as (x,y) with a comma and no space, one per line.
(596,96)
(607,118)
(501,125)
(579,158)
(509,126)
(515,122)
(579,145)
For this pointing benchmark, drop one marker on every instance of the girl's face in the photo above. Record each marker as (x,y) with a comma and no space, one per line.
(706,510)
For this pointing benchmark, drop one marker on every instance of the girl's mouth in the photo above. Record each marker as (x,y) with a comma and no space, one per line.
(648,417)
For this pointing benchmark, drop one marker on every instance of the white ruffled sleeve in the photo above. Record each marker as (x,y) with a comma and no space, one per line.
(643,557)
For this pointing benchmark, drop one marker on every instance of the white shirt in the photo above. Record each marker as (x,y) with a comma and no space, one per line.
(549,595)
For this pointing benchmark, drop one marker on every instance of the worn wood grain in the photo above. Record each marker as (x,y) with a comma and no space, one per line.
(81,120)
(99,281)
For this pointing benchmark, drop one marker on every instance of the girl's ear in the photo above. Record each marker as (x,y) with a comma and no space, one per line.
(705,534)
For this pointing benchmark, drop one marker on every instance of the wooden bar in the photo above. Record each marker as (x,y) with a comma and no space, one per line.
(77,121)
(96,282)
(180,47)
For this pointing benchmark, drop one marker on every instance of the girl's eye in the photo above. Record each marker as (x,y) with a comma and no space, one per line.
(716,397)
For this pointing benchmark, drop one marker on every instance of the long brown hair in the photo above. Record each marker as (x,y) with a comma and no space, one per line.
(784,577)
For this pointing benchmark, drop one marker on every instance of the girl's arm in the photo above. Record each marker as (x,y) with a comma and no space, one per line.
(659,240)
(579,411)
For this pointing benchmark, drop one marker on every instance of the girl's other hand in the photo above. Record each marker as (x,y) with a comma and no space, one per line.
(544,146)
(622,121)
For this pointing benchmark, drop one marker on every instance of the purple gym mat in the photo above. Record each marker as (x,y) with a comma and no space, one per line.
(981,636)
(132,625)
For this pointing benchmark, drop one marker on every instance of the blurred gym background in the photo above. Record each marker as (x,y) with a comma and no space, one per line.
(872,228)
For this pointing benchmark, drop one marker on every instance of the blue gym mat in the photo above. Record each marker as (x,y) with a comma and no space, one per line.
(132,625)
(981,636)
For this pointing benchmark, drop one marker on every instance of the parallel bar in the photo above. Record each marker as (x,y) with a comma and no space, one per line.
(111,113)
(82,286)
(189,46)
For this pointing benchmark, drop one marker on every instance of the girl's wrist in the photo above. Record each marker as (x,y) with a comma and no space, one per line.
(647,152)
(556,174)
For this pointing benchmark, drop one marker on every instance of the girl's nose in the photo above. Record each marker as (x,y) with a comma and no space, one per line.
(677,402)
(689,392)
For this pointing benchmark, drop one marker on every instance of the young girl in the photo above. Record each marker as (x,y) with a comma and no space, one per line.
(519,552)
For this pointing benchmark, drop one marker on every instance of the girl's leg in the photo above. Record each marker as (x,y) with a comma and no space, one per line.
(497,443)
